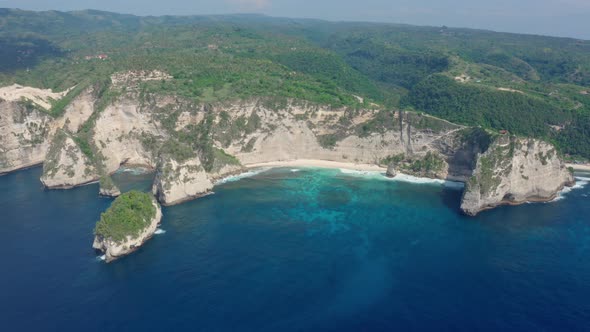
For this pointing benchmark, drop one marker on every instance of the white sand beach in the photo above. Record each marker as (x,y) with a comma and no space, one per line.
(579,167)
(320,164)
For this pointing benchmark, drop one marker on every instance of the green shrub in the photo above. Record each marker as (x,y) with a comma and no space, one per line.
(129,215)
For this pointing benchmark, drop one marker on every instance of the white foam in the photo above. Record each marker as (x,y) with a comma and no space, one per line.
(294,170)
(133,170)
(159,231)
(360,173)
(240,176)
(403,178)
(414,179)
(579,185)
(101,258)
(582,178)
(556,199)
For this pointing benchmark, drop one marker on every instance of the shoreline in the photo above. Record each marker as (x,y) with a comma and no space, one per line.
(579,167)
(311,163)
(351,168)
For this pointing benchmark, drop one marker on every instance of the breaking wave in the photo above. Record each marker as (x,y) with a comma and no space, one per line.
(581,182)
(233,178)
(404,178)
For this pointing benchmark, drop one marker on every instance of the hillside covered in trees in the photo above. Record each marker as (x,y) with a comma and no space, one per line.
(529,85)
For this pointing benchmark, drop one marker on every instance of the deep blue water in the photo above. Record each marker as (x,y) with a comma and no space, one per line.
(314,250)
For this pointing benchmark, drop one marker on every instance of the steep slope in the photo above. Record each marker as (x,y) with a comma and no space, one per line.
(24,132)
(176,182)
(65,165)
(131,220)
(191,145)
(512,171)
(26,128)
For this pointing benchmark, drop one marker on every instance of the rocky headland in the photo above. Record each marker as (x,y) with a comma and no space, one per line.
(192,145)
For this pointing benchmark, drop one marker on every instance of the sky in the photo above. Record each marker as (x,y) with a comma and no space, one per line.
(568,18)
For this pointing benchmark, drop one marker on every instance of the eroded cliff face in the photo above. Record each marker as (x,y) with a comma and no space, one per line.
(118,133)
(314,132)
(26,128)
(192,145)
(512,171)
(65,165)
(24,132)
(177,182)
(113,250)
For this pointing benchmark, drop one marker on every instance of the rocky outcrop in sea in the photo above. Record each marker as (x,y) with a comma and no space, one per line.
(116,249)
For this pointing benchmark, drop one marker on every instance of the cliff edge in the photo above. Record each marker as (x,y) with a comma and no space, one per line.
(66,166)
(513,171)
(177,182)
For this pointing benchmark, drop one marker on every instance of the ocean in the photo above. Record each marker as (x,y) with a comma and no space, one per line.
(297,250)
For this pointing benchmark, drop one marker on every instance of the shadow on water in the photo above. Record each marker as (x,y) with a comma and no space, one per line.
(128,179)
(451,198)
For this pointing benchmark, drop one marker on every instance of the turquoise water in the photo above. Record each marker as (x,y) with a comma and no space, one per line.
(305,250)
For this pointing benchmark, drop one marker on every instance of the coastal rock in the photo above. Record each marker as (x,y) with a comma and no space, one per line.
(24,131)
(225,171)
(107,187)
(391,172)
(110,192)
(134,128)
(65,165)
(177,182)
(113,250)
(513,171)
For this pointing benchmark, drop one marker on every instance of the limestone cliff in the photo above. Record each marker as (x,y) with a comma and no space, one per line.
(113,249)
(192,145)
(512,171)
(26,128)
(23,135)
(118,132)
(177,182)
(65,165)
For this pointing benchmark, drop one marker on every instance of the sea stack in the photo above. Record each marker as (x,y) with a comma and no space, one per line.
(131,220)
(391,172)
(108,188)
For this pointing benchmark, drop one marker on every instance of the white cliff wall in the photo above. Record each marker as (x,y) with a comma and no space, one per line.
(513,171)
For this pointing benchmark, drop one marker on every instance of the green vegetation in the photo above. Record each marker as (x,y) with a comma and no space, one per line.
(59,107)
(223,159)
(177,150)
(51,164)
(129,215)
(451,73)
(393,159)
(421,121)
(575,138)
(472,105)
(106,182)
(382,122)
(329,141)
(430,163)
(495,163)
(427,165)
